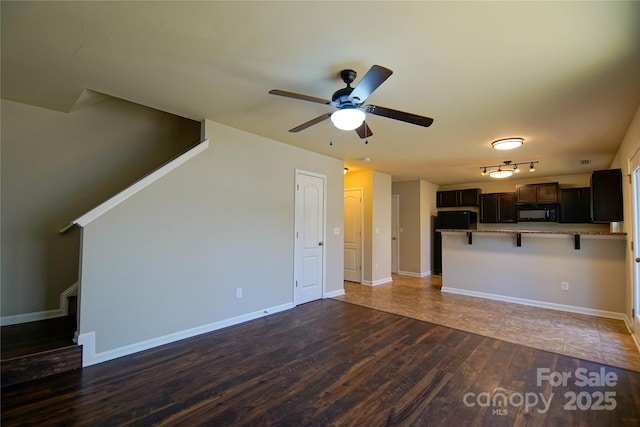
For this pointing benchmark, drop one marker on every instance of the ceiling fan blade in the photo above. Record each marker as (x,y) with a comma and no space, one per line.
(311,122)
(300,96)
(399,115)
(370,82)
(364,131)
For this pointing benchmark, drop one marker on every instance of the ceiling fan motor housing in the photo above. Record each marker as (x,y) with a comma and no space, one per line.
(341,96)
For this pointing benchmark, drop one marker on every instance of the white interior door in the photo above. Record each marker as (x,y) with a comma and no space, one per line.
(309,237)
(353,235)
(395,235)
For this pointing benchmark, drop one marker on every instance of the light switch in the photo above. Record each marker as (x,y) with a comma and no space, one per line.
(377,230)
(336,231)
(401,230)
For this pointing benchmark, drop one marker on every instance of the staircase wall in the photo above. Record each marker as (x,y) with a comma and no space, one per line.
(165,263)
(56,166)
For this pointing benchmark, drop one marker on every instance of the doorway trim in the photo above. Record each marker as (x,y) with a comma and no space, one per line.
(323,177)
(395,199)
(634,175)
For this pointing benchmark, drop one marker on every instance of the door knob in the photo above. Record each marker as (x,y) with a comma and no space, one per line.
(637,259)
(319,243)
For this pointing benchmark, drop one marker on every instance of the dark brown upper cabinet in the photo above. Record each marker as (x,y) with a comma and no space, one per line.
(458,198)
(606,195)
(497,207)
(537,193)
(575,205)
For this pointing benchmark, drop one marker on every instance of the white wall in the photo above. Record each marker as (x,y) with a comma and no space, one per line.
(55,166)
(427,210)
(167,261)
(628,148)
(381,222)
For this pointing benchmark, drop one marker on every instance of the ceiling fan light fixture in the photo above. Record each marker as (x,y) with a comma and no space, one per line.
(348,118)
(507,143)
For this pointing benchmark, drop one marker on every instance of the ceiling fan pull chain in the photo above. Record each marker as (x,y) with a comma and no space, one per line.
(366,136)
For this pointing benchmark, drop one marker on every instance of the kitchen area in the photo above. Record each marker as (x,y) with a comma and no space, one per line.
(548,243)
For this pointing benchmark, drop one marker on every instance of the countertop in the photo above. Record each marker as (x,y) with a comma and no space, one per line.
(567,232)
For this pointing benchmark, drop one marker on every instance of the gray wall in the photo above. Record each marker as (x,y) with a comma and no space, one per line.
(409,222)
(170,258)
(417,205)
(493,264)
(56,166)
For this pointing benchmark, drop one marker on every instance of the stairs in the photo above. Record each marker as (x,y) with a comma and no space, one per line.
(38,349)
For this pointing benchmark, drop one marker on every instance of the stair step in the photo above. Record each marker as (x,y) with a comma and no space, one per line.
(38,349)
(39,365)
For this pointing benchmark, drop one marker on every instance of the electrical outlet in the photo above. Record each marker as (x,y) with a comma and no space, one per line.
(565,286)
(238,292)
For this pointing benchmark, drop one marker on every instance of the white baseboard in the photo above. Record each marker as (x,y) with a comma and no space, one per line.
(541,304)
(91,357)
(30,317)
(412,274)
(334,294)
(63,310)
(377,282)
(635,340)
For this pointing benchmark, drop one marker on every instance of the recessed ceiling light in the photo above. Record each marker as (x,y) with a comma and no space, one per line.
(507,143)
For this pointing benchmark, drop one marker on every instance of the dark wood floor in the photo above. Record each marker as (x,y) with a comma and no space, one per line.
(34,337)
(322,363)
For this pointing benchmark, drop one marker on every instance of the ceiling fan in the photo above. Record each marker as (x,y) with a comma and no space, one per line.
(349,101)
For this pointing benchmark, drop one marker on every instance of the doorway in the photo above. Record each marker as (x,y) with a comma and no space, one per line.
(353,235)
(309,237)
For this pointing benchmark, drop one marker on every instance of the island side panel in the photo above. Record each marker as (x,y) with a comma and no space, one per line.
(496,266)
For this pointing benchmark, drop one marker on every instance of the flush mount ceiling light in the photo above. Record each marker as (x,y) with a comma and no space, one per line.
(507,143)
(506,169)
(348,118)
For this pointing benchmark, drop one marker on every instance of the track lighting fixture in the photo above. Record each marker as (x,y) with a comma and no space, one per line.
(506,169)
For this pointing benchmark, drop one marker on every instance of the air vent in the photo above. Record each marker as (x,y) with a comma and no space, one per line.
(584,162)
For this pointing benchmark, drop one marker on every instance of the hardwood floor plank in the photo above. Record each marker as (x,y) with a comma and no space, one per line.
(322,363)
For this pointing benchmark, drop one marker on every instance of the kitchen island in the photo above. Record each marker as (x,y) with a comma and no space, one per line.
(578,271)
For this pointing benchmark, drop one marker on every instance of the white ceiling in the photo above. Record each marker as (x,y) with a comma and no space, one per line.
(563,75)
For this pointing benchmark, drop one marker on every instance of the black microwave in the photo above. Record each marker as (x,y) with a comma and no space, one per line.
(539,213)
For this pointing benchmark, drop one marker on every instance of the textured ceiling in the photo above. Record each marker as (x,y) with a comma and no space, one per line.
(563,75)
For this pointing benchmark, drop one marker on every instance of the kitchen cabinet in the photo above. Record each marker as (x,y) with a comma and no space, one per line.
(537,193)
(497,207)
(575,205)
(458,198)
(606,195)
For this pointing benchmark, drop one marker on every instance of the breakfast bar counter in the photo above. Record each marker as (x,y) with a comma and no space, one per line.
(577,234)
(580,271)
